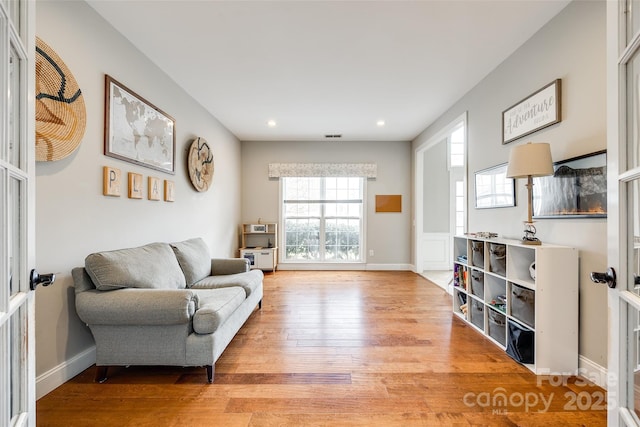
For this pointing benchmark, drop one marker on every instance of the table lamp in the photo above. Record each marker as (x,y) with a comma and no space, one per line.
(526,161)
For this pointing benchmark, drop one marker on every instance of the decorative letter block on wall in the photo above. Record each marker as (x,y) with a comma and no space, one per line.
(110,181)
(135,185)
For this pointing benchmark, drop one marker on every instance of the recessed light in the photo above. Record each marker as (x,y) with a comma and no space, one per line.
(380,123)
(271,123)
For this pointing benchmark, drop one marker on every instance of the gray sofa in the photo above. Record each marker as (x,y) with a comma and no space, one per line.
(164,304)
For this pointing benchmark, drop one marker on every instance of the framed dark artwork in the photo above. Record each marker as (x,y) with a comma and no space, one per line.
(577,189)
(136,131)
(494,189)
(537,111)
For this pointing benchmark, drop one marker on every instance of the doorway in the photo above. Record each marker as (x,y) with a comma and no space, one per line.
(440,209)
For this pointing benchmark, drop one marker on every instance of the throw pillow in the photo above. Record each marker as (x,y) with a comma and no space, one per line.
(153,266)
(194,259)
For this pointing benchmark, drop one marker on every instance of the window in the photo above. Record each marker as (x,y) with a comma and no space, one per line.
(459,221)
(322,218)
(456,147)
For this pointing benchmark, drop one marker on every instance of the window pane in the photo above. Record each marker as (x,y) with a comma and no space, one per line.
(14,107)
(457,136)
(302,189)
(457,149)
(302,238)
(18,353)
(301,209)
(15,248)
(14,13)
(340,209)
(633,349)
(633,16)
(633,109)
(634,237)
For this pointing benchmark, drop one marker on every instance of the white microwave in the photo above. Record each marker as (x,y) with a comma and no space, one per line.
(257,228)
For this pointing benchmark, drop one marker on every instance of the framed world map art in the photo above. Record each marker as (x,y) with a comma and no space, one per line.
(137,131)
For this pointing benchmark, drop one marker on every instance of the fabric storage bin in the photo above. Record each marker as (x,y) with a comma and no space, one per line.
(477,257)
(520,343)
(523,304)
(477,313)
(462,298)
(498,258)
(477,283)
(497,326)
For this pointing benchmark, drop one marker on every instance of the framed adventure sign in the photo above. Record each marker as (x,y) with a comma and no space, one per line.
(535,112)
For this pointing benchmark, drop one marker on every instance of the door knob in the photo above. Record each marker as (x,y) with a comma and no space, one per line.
(609,277)
(36,279)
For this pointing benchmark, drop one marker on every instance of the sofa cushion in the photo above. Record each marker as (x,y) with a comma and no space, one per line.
(249,281)
(194,259)
(152,266)
(215,306)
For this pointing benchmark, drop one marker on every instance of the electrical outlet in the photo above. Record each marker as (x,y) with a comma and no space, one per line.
(370,252)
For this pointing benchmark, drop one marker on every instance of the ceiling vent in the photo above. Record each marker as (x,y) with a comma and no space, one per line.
(333,136)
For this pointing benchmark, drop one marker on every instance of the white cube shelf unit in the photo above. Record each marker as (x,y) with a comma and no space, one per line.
(496,293)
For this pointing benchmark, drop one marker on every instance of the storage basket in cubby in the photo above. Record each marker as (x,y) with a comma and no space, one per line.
(498,258)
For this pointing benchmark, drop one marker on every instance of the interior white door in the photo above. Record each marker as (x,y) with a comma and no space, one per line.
(623,227)
(17,163)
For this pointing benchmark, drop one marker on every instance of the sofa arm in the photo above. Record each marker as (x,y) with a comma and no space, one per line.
(133,306)
(220,266)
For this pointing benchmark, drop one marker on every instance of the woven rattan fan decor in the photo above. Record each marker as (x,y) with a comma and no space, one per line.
(60,111)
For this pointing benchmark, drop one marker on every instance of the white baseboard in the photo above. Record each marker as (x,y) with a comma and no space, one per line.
(344,266)
(62,373)
(592,371)
(383,267)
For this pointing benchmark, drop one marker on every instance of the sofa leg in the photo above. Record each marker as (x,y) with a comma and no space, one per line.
(101,374)
(210,374)
(260,305)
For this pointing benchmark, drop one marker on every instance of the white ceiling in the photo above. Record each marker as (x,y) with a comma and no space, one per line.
(327,67)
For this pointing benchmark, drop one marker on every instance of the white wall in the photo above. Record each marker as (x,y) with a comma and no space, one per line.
(436,189)
(73,219)
(570,47)
(388,234)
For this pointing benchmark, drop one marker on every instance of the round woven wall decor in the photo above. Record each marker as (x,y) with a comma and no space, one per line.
(60,111)
(200,164)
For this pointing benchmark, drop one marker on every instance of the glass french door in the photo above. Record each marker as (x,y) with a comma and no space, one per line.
(17,163)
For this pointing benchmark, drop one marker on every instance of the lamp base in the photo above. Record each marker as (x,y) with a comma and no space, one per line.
(529,237)
(536,241)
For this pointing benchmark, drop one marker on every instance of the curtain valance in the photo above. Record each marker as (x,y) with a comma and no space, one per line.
(367,170)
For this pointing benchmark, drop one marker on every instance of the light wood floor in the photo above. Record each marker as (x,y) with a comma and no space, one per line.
(336,349)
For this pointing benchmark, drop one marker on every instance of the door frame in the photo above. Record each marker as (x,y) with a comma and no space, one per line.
(419,152)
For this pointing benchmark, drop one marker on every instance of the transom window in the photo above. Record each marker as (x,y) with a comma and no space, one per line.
(456,147)
(322,218)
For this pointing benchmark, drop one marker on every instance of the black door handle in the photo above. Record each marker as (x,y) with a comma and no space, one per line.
(36,279)
(608,277)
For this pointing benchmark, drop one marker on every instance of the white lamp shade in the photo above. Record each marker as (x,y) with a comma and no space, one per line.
(531,159)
